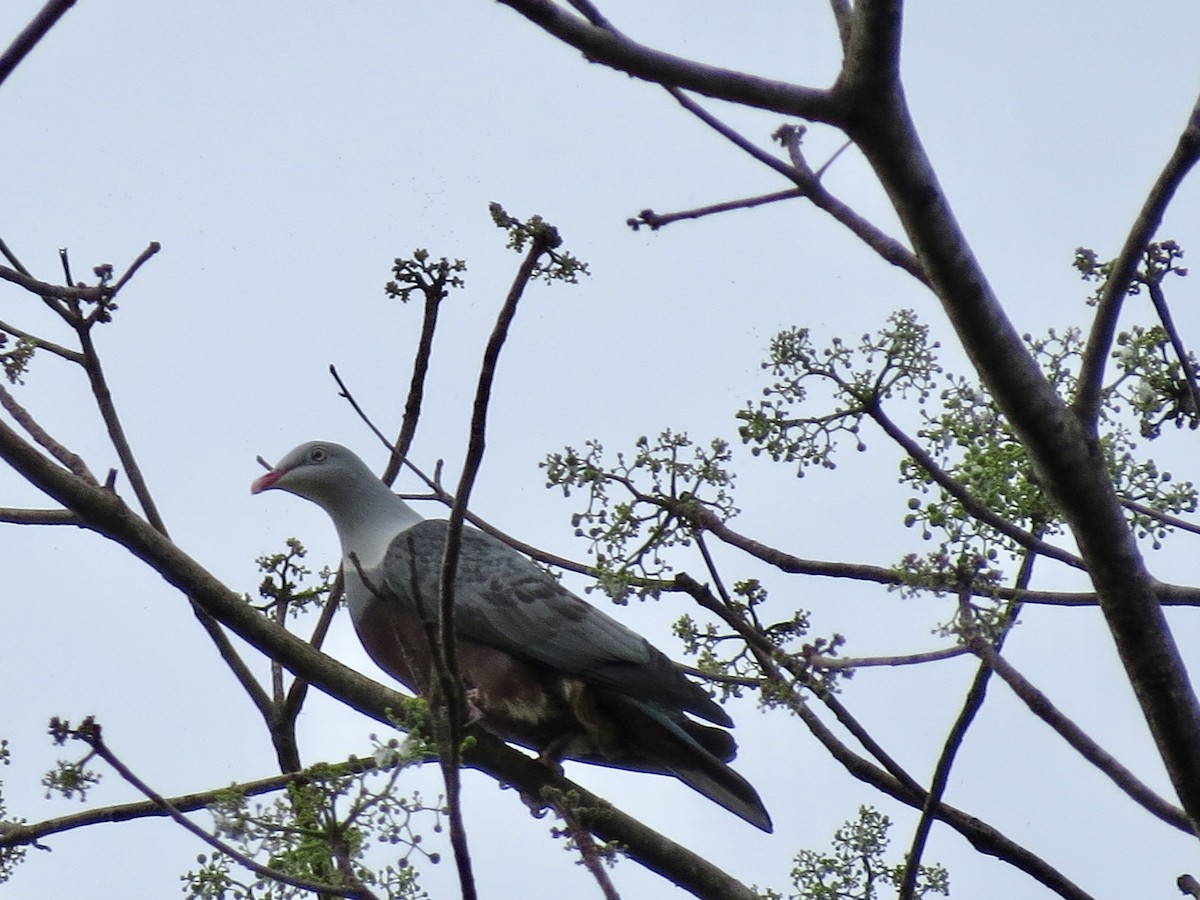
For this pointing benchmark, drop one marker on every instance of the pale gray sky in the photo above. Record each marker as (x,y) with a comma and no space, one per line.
(285,153)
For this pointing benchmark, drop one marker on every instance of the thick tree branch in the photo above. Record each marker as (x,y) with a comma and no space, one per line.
(37,29)
(610,48)
(1065,452)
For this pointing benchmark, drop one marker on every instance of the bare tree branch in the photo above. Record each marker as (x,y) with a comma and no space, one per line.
(972,704)
(1064,449)
(1041,706)
(37,29)
(1124,267)
(837,663)
(13,834)
(94,293)
(21,416)
(89,732)
(1159,516)
(542,241)
(49,346)
(40,517)
(809,185)
(1159,299)
(603,45)
(655,221)
(955,489)
(892,779)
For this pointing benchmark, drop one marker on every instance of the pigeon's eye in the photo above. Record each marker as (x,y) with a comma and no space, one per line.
(318,455)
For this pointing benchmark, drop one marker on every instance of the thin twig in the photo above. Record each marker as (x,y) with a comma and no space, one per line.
(116,431)
(588,10)
(1159,299)
(973,507)
(1160,516)
(41,344)
(151,248)
(6,251)
(656,221)
(435,293)
(299,687)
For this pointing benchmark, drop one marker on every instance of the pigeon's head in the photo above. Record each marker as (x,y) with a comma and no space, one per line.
(326,473)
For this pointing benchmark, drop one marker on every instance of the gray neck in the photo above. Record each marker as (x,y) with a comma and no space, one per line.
(367,518)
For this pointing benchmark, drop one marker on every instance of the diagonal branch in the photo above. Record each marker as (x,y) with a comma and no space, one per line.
(49,346)
(1159,299)
(655,221)
(892,779)
(29,37)
(72,461)
(13,834)
(89,732)
(610,48)
(1041,706)
(972,506)
(972,704)
(1124,268)
(543,240)
(809,185)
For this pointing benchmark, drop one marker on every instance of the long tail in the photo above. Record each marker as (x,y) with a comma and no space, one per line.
(698,769)
(669,742)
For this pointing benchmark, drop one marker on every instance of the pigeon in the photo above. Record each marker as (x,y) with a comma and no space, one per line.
(542,668)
